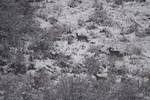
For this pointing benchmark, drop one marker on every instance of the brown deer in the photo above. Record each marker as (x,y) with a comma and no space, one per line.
(82,37)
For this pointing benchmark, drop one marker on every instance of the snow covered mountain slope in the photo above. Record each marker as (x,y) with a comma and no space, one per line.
(105,25)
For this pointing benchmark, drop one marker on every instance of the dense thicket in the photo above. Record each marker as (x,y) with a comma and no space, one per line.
(15,22)
(16,26)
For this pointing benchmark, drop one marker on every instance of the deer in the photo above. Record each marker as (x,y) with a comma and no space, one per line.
(114,52)
(100,77)
(82,37)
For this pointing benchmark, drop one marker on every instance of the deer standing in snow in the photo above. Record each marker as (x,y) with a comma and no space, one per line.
(82,37)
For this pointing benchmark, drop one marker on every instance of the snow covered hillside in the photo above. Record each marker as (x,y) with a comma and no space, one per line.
(85,50)
(124,28)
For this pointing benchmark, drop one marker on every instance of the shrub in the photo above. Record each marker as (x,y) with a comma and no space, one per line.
(17,68)
(18,65)
(100,17)
(147,31)
(81,22)
(91,26)
(92,65)
(16,26)
(39,46)
(41,79)
(14,87)
(74,3)
(126,90)
(98,5)
(76,88)
(132,28)
(134,50)
(118,2)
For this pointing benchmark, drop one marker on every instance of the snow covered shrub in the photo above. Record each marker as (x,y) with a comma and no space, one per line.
(118,2)
(108,1)
(55,32)
(16,31)
(39,46)
(3,62)
(9,84)
(132,28)
(91,26)
(41,49)
(14,87)
(17,68)
(137,51)
(5,52)
(92,65)
(43,45)
(97,5)
(147,31)
(145,86)
(74,3)
(140,0)
(122,70)
(50,94)
(67,29)
(81,22)
(100,17)
(18,65)
(41,79)
(83,88)
(126,90)
(77,88)
(134,50)
(70,39)
(42,15)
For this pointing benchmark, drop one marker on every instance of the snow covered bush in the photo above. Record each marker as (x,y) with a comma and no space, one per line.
(74,3)
(92,65)
(16,26)
(126,90)
(81,22)
(98,5)
(134,50)
(100,17)
(82,88)
(41,49)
